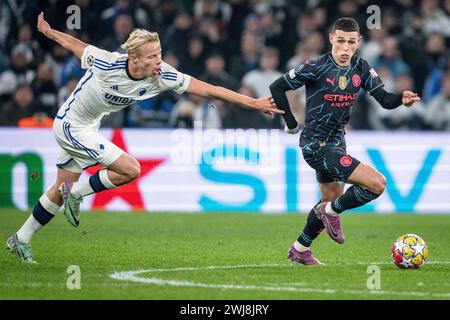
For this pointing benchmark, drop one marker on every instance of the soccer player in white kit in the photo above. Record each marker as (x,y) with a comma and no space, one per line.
(113,81)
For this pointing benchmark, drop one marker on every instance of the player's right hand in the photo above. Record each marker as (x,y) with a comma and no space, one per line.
(267,105)
(409,98)
(43,25)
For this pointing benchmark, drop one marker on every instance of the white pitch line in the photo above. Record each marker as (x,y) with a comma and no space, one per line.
(390,262)
(133,277)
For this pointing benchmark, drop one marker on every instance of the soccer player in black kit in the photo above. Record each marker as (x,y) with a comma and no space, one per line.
(332,83)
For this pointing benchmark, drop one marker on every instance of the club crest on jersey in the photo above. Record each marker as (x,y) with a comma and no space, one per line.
(356,80)
(90,60)
(343,82)
(346,161)
(100,147)
(142,92)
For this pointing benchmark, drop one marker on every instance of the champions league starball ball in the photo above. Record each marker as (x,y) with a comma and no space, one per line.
(409,251)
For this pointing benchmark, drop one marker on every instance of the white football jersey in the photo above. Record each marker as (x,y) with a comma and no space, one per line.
(107,87)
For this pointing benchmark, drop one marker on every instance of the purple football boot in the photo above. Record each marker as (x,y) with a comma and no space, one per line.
(332,223)
(20,249)
(306,257)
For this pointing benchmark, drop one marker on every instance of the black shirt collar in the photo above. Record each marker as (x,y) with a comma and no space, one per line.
(129,74)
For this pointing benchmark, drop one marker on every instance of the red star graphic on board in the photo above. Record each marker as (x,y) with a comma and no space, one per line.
(131,192)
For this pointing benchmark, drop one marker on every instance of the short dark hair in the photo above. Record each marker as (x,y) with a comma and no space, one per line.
(345,24)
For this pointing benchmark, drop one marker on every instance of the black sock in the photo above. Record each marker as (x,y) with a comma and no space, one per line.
(354,197)
(312,229)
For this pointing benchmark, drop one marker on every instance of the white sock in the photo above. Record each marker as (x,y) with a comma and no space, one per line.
(31,226)
(330,210)
(81,188)
(103,174)
(299,247)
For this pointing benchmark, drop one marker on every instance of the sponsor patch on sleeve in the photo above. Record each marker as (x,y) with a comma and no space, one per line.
(373,73)
(292,73)
(90,60)
(183,78)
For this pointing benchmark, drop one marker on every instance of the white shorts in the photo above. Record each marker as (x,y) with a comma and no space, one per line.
(82,148)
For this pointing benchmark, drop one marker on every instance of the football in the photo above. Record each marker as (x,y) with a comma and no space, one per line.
(409,251)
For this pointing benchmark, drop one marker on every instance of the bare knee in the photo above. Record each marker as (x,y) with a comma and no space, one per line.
(331,193)
(124,170)
(133,172)
(379,184)
(330,196)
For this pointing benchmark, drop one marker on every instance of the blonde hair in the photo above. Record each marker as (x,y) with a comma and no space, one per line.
(138,38)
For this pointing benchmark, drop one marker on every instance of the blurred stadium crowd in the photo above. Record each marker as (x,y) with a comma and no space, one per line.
(243,45)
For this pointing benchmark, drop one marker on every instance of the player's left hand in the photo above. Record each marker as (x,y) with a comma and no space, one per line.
(43,25)
(409,98)
(267,105)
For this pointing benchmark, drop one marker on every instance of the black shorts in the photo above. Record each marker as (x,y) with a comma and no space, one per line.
(332,163)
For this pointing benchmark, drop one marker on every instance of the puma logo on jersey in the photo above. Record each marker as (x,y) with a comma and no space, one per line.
(330,81)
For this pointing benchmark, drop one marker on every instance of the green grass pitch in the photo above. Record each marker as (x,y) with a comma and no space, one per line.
(220,256)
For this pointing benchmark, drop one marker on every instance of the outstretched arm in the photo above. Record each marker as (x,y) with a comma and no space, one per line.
(392,100)
(203,89)
(65,40)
